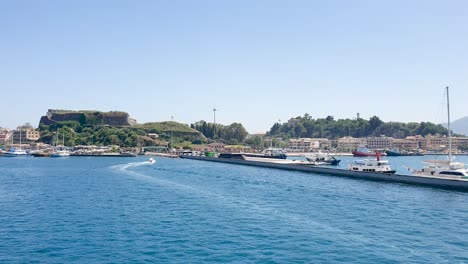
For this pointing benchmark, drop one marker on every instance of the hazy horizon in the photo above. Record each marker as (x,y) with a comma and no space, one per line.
(257,62)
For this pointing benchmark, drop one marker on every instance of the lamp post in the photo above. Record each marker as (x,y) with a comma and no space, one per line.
(172,133)
(214,124)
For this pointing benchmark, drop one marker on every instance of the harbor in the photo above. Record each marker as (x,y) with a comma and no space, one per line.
(432,181)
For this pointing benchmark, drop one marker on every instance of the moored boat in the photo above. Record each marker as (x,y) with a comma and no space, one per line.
(60,154)
(377,165)
(365,152)
(322,159)
(447,168)
(396,152)
(269,153)
(12,152)
(40,153)
(15,153)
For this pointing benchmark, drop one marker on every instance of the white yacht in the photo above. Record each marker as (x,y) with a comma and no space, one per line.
(447,168)
(15,153)
(377,165)
(451,170)
(60,153)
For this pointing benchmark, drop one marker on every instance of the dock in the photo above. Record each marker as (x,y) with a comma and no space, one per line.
(433,181)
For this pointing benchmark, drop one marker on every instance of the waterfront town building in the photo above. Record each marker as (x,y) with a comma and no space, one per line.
(420,140)
(438,143)
(308,144)
(405,144)
(237,148)
(27,135)
(429,142)
(380,143)
(4,136)
(348,144)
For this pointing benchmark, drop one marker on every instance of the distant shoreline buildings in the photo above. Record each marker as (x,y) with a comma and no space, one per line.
(348,144)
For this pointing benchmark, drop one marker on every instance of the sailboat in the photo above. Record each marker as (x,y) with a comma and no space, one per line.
(60,153)
(12,152)
(447,168)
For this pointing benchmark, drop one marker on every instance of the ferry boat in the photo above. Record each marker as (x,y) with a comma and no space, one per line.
(377,165)
(364,152)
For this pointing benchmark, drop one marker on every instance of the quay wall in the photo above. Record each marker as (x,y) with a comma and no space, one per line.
(459,184)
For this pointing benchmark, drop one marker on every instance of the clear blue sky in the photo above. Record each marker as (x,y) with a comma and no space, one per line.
(255,61)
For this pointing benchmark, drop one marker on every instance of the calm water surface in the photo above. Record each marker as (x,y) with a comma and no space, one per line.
(114,210)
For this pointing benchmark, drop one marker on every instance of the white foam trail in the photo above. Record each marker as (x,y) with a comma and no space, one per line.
(272,213)
(124,167)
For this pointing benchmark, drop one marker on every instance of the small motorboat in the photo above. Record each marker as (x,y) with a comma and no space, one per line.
(152,161)
(322,159)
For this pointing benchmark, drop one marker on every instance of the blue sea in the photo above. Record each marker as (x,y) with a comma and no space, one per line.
(124,210)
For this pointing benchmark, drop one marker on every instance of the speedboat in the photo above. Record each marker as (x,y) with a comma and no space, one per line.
(152,161)
(377,165)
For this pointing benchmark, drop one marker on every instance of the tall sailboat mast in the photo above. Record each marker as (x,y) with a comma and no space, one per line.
(448,125)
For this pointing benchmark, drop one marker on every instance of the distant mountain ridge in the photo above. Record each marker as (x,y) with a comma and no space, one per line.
(459,126)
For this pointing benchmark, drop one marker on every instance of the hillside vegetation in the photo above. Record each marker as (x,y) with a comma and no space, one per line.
(131,136)
(328,127)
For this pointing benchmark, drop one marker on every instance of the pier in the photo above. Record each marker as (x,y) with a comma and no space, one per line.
(438,182)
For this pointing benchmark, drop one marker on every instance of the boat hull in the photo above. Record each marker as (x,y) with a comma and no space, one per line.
(364,154)
(397,154)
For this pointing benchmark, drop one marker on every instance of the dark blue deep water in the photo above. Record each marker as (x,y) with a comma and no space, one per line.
(123,210)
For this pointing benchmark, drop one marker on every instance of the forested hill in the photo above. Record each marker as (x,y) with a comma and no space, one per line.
(328,127)
(129,136)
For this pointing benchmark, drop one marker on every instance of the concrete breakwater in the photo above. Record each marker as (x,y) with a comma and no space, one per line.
(439,182)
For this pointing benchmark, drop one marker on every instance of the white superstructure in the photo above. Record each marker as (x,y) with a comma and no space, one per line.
(377,165)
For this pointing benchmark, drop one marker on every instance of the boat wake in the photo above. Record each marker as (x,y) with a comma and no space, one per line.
(125,167)
(253,208)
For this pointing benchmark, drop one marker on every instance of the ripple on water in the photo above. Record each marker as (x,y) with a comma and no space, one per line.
(179,211)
